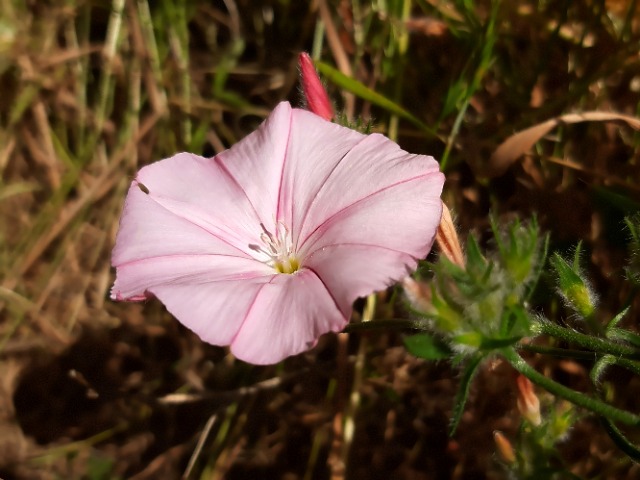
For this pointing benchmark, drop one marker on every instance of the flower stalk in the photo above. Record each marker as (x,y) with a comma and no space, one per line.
(595,344)
(592,404)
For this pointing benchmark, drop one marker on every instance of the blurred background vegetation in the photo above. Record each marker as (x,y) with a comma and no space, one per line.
(92,90)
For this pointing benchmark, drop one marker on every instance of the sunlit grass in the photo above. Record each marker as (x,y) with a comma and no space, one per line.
(91,91)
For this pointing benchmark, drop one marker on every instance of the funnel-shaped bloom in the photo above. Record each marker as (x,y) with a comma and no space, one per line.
(265,246)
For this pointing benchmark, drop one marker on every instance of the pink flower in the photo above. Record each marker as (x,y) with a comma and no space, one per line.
(266,246)
(317,99)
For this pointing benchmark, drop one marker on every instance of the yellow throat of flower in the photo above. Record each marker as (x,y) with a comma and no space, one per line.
(277,249)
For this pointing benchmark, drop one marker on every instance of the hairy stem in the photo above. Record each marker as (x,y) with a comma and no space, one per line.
(594,344)
(592,404)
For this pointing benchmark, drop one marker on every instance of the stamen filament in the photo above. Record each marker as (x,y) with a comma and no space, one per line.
(277,248)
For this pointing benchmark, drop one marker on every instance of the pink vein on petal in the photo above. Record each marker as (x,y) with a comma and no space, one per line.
(362,199)
(226,171)
(359,244)
(251,305)
(323,183)
(284,163)
(193,221)
(183,255)
(335,302)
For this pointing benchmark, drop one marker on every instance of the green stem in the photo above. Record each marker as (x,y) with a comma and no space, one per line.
(559,352)
(594,344)
(394,324)
(577,398)
(630,365)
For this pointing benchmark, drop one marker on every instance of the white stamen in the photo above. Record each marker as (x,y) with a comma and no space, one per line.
(277,249)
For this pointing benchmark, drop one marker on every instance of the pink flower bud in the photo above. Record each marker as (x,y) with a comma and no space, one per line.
(505,449)
(448,240)
(528,403)
(317,99)
(418,293)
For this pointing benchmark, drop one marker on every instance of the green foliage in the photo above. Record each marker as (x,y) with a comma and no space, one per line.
(357,88)
(573,285)
(633,268)
(482,306)
(536,446)
(470,369)
(425,345)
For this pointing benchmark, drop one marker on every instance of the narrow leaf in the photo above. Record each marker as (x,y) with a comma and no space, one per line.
(364,92)
(463,392)
(616,320)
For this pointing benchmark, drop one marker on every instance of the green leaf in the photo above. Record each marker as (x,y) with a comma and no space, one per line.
(425,345)
(616,320)
(357,88)
(514,317)
(463,391)
(474,255)
(620,334)
(537,271)
(599,369)
(469,339)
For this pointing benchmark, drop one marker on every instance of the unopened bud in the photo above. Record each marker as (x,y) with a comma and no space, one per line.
(528,402)
(505,450)
(447,239)
(418,294)
(573,286)
(317,99)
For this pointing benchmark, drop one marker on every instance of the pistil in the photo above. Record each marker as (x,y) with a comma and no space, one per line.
(277,249)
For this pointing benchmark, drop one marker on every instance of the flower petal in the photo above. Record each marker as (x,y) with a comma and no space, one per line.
(376,241)
(256,162)
(154,245)
(352,271)
(315,148)
(288,316)
(372,165)
(402,217)
(134,279)
(360,212)
(147,230)
(214,311)
(201,191)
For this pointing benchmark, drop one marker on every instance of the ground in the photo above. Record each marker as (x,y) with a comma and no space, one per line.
(93,90)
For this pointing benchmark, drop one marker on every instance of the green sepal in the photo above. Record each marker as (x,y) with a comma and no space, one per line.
(518,248)
(427,346)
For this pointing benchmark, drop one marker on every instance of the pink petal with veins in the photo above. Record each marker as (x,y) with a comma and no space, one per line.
(287,317)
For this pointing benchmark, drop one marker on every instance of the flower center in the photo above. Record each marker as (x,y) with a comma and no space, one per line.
(276,249)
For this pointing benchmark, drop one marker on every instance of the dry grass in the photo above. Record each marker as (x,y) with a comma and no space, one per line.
(91,91)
